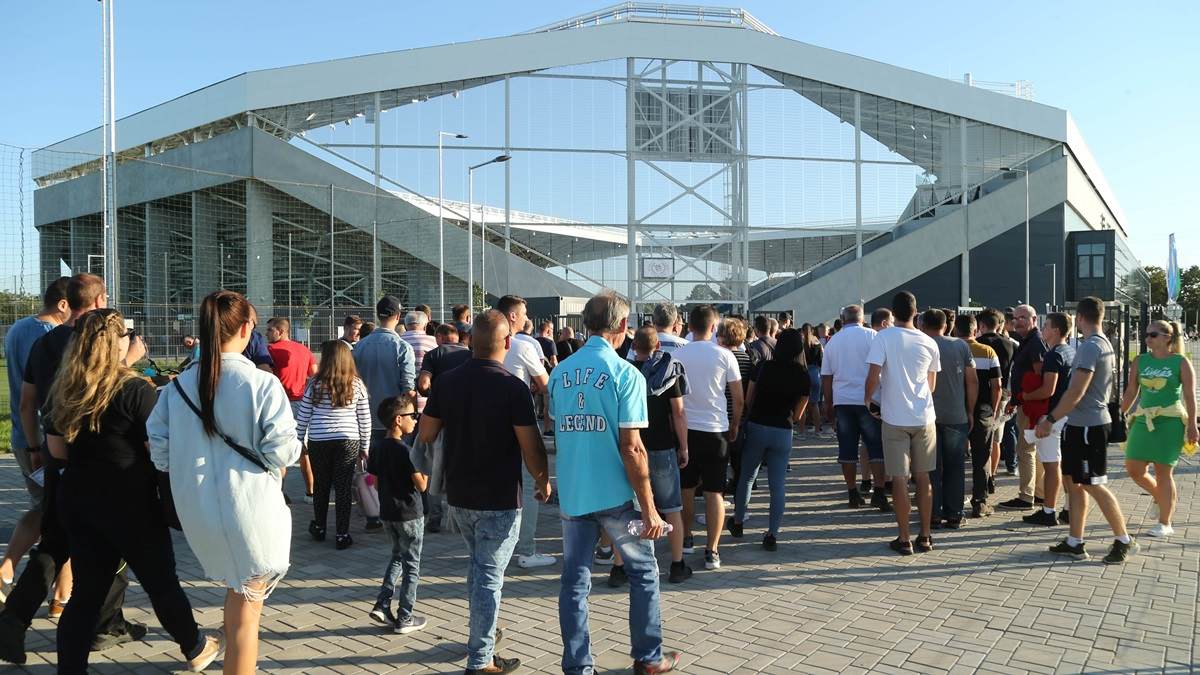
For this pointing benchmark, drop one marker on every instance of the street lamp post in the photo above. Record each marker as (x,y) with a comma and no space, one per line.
(471,234)
(441,231)
(1026,172)
(1053,284)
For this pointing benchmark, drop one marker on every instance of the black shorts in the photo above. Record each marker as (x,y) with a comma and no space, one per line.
(1085,454)
(708,455)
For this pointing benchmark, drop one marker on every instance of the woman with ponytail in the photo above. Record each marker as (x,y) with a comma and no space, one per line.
(95,418)
(224,430)
(1162,384)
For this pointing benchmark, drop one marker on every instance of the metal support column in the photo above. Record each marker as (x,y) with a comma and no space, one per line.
(332,280)
(858,211)
(631,187)
(964,286)
(507,171)
(376,282)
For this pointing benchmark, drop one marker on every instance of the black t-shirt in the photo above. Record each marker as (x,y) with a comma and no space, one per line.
(115,458)
(1004,351)
(1058,360)
(444,358)
(399,499)
(44,357)
(659,434)
(623,350)
(478,404)
(1031,351)
(778,387)
(548,347)
(564,348)
(813,354)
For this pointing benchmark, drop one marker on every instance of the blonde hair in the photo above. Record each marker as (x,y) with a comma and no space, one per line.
(335,376)
(731,332)
(1173,331)
(91,374)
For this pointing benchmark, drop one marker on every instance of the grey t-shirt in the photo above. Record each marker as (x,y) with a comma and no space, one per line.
(949,393)
(1094,354)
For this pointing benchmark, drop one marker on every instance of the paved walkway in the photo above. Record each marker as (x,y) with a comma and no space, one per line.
(832,599)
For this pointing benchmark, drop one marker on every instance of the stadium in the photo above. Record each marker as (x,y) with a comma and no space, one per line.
(670,153)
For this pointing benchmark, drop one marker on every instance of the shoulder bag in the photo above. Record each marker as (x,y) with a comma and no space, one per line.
(242,450)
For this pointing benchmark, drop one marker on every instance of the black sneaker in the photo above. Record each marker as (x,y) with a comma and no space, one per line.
(12,640)
(935,523)
(901,547)
(374,525)
(432,527)
(887,486)
(712,560)
(382,615)
(769,542)
(981,509)
(1064,517)
(617,577)
(689,544)
(342,542)
(865,487)
(132,632)
(879,500)
(1016,504)
(409,624)
(680,572)
(735,529)
(316,531)
(603,556)
(856,499)
(500,665)
(1010,470)
(1121,551)
(923,545)
(1040,517)
(991,485)
(1077,552)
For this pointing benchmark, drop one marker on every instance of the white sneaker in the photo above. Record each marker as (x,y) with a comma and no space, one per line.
(701,519)
(535,560)
(6,586)
(1160,530)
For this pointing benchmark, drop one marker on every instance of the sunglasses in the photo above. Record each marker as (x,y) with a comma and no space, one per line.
(414,415)
(1153,334)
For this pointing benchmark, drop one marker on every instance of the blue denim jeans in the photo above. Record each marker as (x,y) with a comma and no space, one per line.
(854,423)
(527,538)
(775,445)
(405,565)
(949,478)
(580,535)
(1008,444)
(490,537)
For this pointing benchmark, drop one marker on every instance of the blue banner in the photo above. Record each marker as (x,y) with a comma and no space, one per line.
(1172,272)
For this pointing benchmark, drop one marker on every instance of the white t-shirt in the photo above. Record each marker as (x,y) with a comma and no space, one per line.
(667,343)
(846,360)
(907,356)
(524,358)
(709,368)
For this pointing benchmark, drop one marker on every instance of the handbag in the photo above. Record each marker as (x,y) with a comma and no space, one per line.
(1119,432)
(242,450)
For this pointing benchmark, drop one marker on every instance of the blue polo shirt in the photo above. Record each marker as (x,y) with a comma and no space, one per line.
(593,395)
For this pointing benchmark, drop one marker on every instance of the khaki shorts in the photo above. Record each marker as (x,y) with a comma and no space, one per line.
(909,449)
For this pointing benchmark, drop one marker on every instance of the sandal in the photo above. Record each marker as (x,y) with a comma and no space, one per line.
(901,547)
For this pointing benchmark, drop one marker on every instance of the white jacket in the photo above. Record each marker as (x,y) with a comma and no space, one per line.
(233,513)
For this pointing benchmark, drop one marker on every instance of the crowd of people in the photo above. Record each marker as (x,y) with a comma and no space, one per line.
(431,426)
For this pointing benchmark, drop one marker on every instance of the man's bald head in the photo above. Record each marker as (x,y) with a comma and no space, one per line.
(489,335)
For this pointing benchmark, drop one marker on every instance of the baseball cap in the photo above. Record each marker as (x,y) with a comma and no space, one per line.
(388,306)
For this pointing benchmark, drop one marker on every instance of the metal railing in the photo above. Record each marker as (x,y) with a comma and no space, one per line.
(653,12)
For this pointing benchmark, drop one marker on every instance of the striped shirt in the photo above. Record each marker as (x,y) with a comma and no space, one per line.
(324,422)
(987,370)
(421,343)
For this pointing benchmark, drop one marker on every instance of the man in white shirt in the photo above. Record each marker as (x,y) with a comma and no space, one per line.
(664,318)
(843,375)
(524,359)
(710,368)
(904,363)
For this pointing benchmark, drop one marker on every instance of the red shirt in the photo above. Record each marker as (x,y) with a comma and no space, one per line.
(293,363)
(1034,410)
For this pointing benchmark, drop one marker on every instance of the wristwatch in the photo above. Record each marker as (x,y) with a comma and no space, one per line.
(1051,418)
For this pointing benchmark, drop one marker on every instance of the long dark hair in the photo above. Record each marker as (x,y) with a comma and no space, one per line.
(222,315)
(336,375)
(790,348)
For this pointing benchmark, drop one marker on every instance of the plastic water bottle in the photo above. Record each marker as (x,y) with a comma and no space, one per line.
(635,527)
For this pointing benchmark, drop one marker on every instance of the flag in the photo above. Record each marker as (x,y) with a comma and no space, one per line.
(1172,272)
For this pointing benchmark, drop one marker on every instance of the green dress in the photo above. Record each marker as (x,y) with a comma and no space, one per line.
(1159,386)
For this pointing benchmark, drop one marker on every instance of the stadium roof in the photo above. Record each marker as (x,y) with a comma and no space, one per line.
(341,89)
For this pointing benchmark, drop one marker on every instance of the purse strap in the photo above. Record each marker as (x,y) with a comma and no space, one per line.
(242,450)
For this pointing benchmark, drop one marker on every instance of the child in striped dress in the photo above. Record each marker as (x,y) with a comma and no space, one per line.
(335,412)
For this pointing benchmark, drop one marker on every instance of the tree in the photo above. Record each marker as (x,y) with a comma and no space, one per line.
(703,293)
(1189,294)
(1158,284)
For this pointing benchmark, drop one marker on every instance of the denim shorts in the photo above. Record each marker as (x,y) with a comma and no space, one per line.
(854,424)
(664,481)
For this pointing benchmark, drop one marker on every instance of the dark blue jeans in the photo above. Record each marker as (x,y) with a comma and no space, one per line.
(405,566)
(580,535)
(1008,444)
(949,479)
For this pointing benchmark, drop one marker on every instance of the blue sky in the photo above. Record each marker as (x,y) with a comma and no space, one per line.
(1126,71)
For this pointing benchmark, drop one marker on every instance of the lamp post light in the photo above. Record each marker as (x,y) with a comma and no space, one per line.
(1053,284)
(471,234)
(441,231)
(1026,172)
